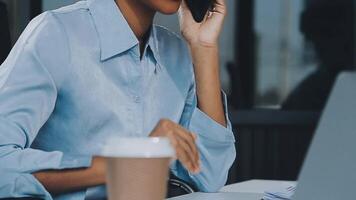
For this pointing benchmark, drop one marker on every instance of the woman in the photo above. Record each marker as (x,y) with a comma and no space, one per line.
(99,69)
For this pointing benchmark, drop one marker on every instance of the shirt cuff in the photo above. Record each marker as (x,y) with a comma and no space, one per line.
(72,162)
(208,128)
(19,185)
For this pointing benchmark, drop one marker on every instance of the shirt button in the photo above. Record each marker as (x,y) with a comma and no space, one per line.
(137,99)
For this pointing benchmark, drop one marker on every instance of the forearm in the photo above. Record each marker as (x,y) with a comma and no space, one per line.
(207,77)
(62,181)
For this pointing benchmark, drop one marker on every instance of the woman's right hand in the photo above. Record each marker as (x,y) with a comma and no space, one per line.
(183,142)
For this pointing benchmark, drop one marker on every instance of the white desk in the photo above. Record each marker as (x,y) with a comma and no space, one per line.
(255,186)
(249,190)
(219,196)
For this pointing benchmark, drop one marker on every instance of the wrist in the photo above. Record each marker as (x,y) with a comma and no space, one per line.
(98,169)
(203,45)
(204,56)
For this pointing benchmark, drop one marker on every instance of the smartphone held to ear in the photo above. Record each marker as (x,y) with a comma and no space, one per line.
(199,8)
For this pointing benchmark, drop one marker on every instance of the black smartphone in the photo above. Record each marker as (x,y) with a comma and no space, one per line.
(199,8)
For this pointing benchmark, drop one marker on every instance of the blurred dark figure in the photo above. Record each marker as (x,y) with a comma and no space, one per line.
(329,26)
(5,42)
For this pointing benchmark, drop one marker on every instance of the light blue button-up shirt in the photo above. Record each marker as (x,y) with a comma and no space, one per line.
(75,79)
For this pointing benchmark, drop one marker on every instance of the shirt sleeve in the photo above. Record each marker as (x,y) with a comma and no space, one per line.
(28,94)
(215,143)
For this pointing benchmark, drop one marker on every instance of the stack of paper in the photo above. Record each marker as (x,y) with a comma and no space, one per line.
(281,193)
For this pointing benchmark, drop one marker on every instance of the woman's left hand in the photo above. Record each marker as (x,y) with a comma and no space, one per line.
(207,32)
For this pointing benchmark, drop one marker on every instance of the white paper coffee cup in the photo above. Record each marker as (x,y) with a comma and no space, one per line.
(137,168)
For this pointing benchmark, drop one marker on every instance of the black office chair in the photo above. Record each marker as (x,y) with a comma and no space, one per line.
(177,187)
(5,40)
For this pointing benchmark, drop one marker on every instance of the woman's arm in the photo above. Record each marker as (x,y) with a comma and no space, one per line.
(63,181)
(205,113)
(202,39)
(206,68)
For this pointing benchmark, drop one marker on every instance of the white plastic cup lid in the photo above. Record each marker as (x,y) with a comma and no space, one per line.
(130,147)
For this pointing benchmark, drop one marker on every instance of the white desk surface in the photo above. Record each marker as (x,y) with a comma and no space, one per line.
(219,196)
(248,190)
(255,186)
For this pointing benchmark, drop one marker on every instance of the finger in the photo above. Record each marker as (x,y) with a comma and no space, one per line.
(194,138)
(188,136)
(183,152)
(220,3)
(219,7)
(195,141)
(184,159)
(187,151)
(172,138)
(190,141)
(173,141)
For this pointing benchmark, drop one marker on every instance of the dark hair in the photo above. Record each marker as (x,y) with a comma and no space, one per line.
(327,18)
(329,26)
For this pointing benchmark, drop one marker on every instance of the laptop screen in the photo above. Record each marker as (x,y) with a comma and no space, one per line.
(329,171)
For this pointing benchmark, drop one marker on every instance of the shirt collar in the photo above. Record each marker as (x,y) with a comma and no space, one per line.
(153,44)
(114,32)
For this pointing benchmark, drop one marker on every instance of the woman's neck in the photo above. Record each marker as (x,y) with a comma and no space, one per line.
(139,17)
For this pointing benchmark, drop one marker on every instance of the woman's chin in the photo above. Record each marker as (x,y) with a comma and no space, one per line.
(169,10)
(166,7)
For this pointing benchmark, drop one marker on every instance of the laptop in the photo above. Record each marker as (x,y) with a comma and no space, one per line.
(329,170)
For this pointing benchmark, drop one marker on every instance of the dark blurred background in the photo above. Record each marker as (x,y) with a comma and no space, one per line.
(279,62)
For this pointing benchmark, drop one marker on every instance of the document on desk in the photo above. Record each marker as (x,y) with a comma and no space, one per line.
(280,193)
